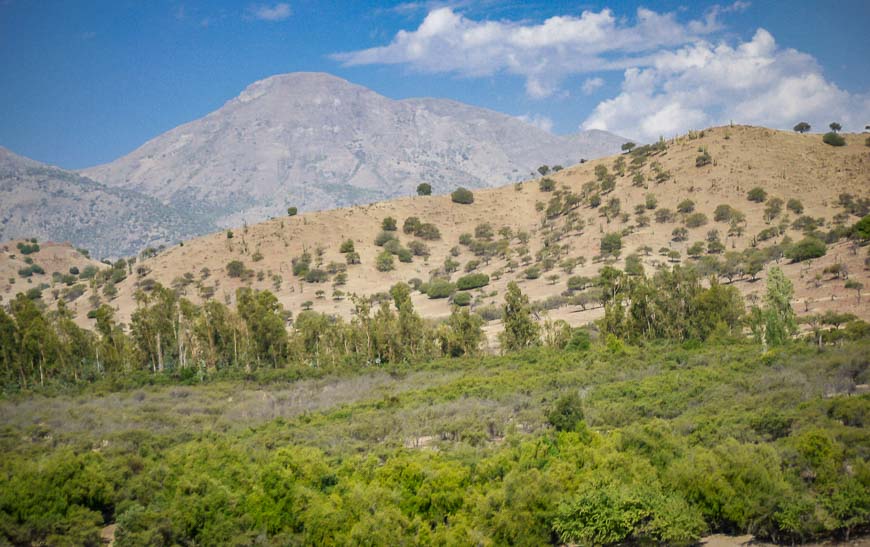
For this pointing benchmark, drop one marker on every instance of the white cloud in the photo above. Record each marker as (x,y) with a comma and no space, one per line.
(677,75)
(541,122)
(278,12)
(703,84)
(543,54)
(591,85)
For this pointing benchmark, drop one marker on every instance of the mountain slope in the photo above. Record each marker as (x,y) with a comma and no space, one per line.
(38,200)
(316,141)
(786,165)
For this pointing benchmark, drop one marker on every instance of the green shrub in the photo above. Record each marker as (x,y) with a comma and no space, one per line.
(347,246)
(611,244)
(463,196)
(696,220)
(316,276)
(757,194)
(580,341)
(389,224)
(686,206)
(411,225)
(424,189)
(440,288)
(805,249)
(472,281)
(235,268)
(833,139)
(384,237)
(795,206)
(462,299)
(27,248)
(428,232)
(533,272)
(547,184)
(384,262)
(292,211)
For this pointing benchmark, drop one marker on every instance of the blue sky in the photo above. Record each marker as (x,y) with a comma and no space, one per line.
(83,83)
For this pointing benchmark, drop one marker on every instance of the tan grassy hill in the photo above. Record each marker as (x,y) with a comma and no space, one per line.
(54,260)
(787,165)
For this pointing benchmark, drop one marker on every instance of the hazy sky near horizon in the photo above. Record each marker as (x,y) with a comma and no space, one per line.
(82,83)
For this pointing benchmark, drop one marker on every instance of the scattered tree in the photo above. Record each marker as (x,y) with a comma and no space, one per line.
(802,127)
(463,196)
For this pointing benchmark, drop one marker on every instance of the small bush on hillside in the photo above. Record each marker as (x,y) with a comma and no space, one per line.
(316,276)
(28,248)
(757,194)
(686,206)
(292,211)
(833,139)
(424,189)
(472,281)
(723,213)
(418,248)
(384,262)
(795,206)
(805,249)
(463,196)
(703,159)
(411,225)
(236,268)
(384,237)
(611,244)
(861,230)
(547,184)
(440,288)
(696,220)
(388,224)
(680,234)
(664,215)
(484,231)
(346,246)
(462,299)
(428,231)
(533,272)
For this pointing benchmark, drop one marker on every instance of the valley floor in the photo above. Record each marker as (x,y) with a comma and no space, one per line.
(618,443)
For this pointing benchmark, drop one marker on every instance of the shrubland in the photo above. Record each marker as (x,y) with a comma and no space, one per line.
(661,423)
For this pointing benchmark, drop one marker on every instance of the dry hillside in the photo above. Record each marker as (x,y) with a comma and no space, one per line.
(52,260)
(786,165)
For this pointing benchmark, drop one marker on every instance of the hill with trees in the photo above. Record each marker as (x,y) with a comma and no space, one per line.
(759,202)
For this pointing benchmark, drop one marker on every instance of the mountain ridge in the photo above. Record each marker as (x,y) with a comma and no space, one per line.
(50,203)
(316,141)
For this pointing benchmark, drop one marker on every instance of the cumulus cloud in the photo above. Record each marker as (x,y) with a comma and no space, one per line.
(545,53)
(704,84)
(677,74)
(278,12)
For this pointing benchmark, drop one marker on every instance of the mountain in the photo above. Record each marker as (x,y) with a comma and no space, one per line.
(534,234)
(315,141)
(38,200)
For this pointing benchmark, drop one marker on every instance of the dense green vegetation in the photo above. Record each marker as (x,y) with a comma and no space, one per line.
(605,445)
(213,425)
